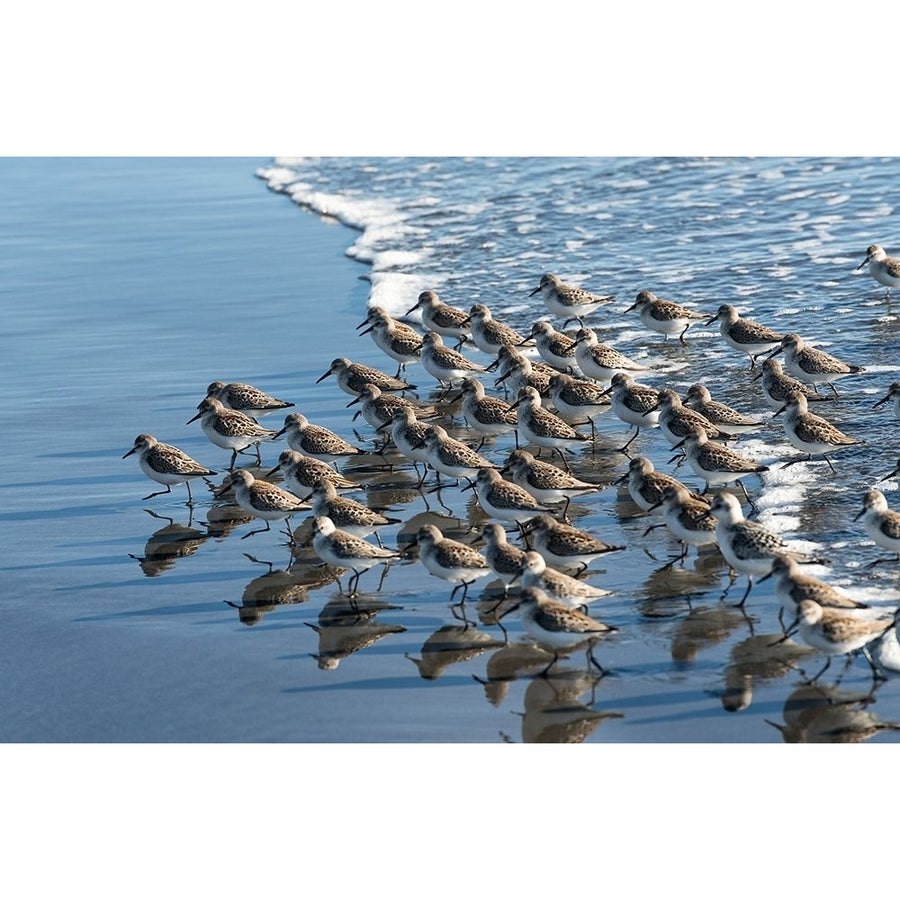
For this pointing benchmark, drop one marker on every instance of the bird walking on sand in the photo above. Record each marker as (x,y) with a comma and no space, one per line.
(245,398)
(812,365)
(352,377)
(743,334)
(882,524)
(810,433)
(664,316)
(567,300)
(564,546)
(166,465)
(347,551)
(265,500)
(883,268)
(230,429)
(442,318)
(451,560)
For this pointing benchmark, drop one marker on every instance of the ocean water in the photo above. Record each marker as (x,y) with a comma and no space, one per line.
(130,284)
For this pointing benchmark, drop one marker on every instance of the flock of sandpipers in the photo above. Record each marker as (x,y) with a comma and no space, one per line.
(555,384)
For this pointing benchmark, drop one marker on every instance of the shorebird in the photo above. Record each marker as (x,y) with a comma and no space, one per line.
(677,421)
(408,435)
(350,515)
(264,500)
(315,440)
(451,560)
(487,415)
(883,268)
(400,342)
(541,427)
(166,465)
(793,586)
(645,484)
(726,419)
(892,395)
(446,364)
(245,398)
(448,456)
(504,500)
(748,547)
(687,518)
(577,400)
(378,408)
(600,361)
(564,546)
(777,385)
(519,371)
(556,348)
(811,433)
(230,429)
(558,627)
(300,473)
(441,318)
(882,525)
(544,481)
(811,365)
(743,334)
(633,403)
(717,464)
(353,377)
(664,316)
(505,559)
(535,573)
(488,334)
(567,300)
(347,551)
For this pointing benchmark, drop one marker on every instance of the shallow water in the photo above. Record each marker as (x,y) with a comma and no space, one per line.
(129,285)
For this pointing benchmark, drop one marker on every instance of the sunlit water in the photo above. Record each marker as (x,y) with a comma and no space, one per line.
(129,285)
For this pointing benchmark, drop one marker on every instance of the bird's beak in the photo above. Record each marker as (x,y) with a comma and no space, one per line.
(132,450)
(882,400)
(273,471)
(367,330)
(630,308)
(354,401)
(780,411)
(323,377)
(193,419)
(710,321)
(279,433)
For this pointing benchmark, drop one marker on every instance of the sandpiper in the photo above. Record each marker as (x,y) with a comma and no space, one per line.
(600,361)
(265,500)
(346,551)
(448,456)
(504,500)
(408,435)
(451,560)
(744,334)
(301,472)
(394,338)
(315,440)
(487,415)
(558,627)
(350,515)
(687,518)
(245,398)
(882,525)
(883,268)
(541,427)
(166,465)
(230,429)
(664,316)
(841,631)
(446,364)
(378,408)
(793,586)
(677,421)
(556,348)
(748,547)
(564,546)
(518,371)
(567,300)
(544,481)
(777,385)
(724,417)
(892,395)
(633,403)
(645,484)
(715,463)
(490,335)
(811,433)
(535,573)
(811,365)
(577,401)
(442,318)
(353,377)
(505,559)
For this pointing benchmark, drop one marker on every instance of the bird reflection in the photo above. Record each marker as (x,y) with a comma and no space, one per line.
(704,627)
(452,644)
(554,713)
(759,658)
(224,515)
(167,545)
(509,663)
(345,627)
(277,587)
(829,714)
